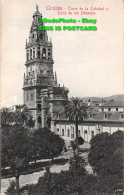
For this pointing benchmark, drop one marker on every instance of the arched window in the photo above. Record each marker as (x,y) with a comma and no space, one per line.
(31,54)
(38,107)
(38,54)
(44,53)
(33,35)
(39,119)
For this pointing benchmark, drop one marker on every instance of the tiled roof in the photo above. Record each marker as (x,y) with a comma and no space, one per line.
(93,110)
(112,116)
(99,116)
(116,116)
(113,104)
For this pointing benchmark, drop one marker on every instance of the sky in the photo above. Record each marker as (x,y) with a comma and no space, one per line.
(89,63)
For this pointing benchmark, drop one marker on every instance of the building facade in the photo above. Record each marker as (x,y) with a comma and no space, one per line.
(107,117)
(42,94)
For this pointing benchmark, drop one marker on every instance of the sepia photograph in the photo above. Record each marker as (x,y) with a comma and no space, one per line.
(62,97)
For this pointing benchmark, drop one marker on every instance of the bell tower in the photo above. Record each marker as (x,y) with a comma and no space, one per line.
(39,80)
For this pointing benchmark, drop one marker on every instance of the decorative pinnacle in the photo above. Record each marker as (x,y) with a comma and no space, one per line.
(37,7)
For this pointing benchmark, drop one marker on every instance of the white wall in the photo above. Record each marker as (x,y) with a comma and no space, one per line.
(86,131)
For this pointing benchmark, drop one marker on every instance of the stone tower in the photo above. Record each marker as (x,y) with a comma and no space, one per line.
(42,94)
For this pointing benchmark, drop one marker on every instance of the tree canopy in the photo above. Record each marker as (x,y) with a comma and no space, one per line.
(14,150)
(106,158)
(66,182)
(20,116)
(48,143)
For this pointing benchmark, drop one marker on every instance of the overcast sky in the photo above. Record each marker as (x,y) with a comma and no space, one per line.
(88,63)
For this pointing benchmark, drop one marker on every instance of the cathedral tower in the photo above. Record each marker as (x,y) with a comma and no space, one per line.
(42,94)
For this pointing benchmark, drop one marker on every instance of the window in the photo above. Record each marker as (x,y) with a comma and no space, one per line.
(122,115)
(106,116)
(102,109)
(62,132)
(32,96)
(33,54)
(85,135)
(68,133)
(49,55)
(116,109)
(39,107)
(39,119)
(72,132)
(29,73)
(109,109)
(44,53)
(38,54)
(57,130)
